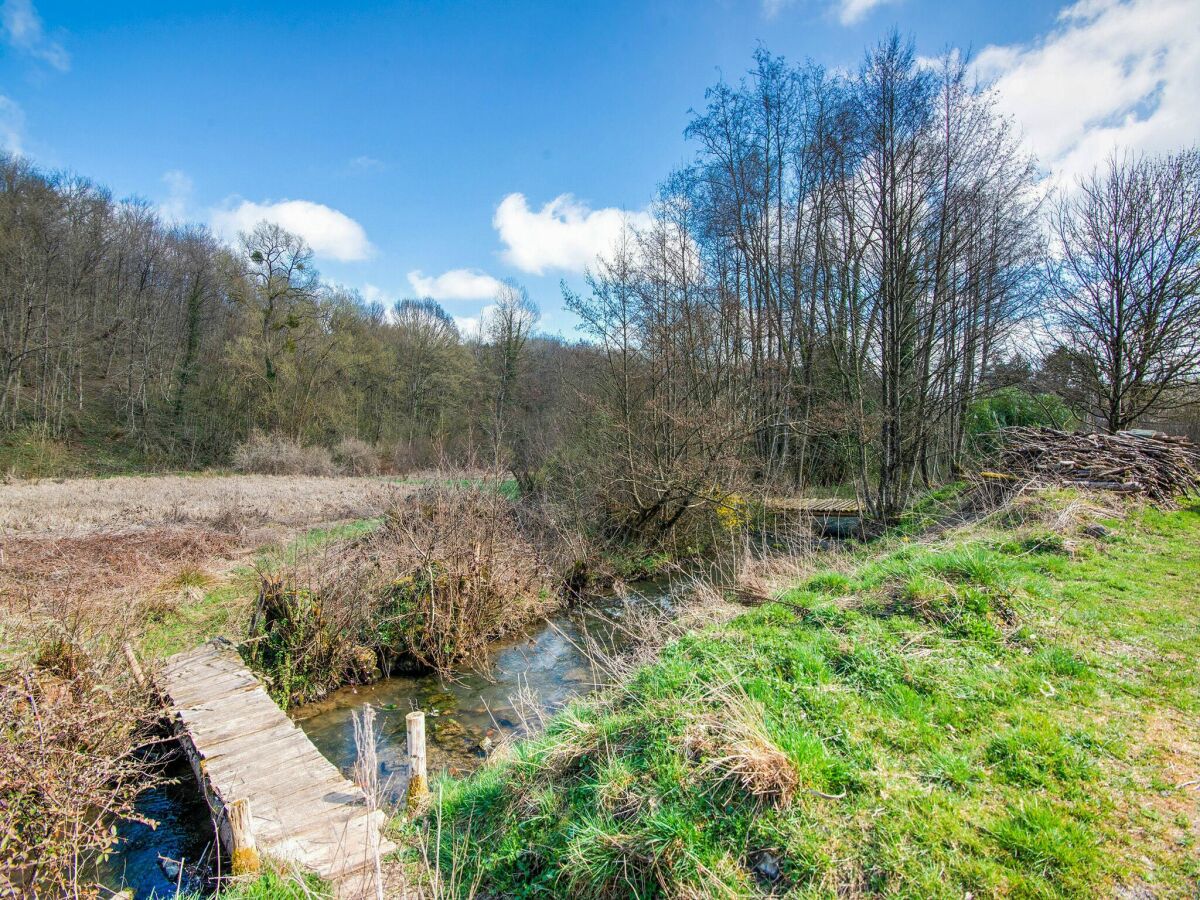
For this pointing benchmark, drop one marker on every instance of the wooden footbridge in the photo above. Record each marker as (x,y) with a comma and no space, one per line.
(817,507)
(270,791)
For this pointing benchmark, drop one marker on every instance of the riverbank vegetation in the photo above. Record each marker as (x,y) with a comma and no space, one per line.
(1000,710)
(442,575)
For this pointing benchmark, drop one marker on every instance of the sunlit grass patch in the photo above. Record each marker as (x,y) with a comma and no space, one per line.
(1044,840)
(961,715)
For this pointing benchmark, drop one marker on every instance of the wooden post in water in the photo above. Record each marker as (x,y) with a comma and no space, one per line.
(245,851)
(418,781)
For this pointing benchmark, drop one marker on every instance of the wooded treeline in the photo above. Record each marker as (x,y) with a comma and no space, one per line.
(123,329)
(851,266)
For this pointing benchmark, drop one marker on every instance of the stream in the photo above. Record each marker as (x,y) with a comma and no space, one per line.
(545,664)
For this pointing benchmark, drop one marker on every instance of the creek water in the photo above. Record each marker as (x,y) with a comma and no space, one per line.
(545,665)
(536,670)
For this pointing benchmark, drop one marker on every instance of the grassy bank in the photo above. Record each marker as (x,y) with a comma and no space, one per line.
(1007,709)
(222,606)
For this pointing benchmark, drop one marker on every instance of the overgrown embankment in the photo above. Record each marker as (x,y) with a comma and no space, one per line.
(444,574)
(1007,709)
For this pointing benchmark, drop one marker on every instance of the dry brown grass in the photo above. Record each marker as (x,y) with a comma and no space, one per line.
(733,747)
(97,589)
(104,564)
(760,576)
(79,505)
(636,638)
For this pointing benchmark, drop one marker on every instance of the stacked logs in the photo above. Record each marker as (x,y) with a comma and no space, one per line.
(1157,466)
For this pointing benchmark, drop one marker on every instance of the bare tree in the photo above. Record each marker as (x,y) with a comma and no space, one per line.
(1125,284)
(506,329)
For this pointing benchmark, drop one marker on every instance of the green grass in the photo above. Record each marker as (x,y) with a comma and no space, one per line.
(313,540)
(224,609)
(985,713)
(273,886)
(221,611)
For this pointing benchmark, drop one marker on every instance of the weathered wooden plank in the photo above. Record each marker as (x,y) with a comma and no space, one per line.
(214,690)
(265,741)
(244,748)
(296,760)
(212,731)
(231,754)
(276,779)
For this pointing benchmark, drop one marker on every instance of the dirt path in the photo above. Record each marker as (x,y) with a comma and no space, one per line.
(229,502)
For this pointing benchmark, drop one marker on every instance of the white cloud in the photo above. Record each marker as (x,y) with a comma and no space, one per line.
(179,196)
(564,234)
(373,294)
(1110,75)
(472,326)
(456,284)
(12,125)
(329,232)
(849,12)
(23,30)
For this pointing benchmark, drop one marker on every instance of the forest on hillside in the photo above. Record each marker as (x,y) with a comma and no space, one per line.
(856,276)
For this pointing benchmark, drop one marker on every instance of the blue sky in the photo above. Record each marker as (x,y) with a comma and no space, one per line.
(431,145)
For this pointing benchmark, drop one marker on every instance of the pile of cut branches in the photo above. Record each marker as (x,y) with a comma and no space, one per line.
(1158,467)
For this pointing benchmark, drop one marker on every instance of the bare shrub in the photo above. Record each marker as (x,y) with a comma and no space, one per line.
(277,454)
(356,457)
(449,571)
(68,768)
(460,573)
(415,455)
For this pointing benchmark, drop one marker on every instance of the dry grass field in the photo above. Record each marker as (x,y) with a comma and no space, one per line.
(155,558)
(228,502)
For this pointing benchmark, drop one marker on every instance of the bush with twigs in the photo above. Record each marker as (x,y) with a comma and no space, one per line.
(458,571)
(355,456)
(449,571)
(277,454)
(71,724)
